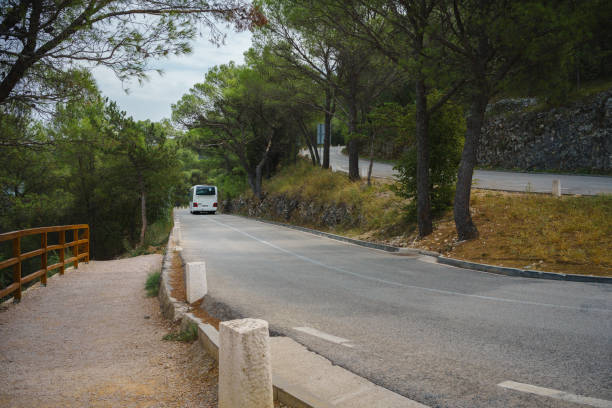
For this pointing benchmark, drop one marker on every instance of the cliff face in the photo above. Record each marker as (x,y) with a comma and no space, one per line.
(576,137)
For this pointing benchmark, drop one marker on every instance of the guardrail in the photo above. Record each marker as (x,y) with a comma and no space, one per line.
(80,245)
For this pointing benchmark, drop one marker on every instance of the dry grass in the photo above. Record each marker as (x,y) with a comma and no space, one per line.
(534,231)
(200,313)
(571,234)
(376,205)
(176,278)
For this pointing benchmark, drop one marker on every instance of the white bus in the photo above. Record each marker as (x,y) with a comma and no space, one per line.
(203,199)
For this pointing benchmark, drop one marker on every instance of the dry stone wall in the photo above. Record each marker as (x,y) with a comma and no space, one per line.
(279,207)
(577,137)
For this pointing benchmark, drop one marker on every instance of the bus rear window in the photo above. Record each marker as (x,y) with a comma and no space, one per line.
(205,191)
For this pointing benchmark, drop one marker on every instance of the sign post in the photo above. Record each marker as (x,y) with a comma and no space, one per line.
(320,133)
(320,137)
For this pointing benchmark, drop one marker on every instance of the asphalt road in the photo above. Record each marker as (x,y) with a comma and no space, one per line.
(495,180)
(440,335)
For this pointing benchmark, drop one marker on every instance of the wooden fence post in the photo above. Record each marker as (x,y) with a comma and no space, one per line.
(43,258)
(17,268)
(62,241)
(87,236)
(75,251)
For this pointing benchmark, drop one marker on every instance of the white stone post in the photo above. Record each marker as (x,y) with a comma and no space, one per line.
(195,281)
(245,371)
(556,188)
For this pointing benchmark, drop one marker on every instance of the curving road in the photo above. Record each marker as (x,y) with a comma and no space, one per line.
(443,336)
(495,180)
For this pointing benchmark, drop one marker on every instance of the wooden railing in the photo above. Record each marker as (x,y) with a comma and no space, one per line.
(80,245)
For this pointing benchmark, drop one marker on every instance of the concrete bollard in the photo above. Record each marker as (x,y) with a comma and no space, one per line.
(245,370)
(556,188)
(176,233)
(195,281)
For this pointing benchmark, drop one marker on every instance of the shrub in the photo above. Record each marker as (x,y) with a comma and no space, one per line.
(152,284)
(446,134)
(188,335)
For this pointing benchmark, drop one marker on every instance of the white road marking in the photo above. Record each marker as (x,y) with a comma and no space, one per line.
(549,392)
(325,336)
(402,285)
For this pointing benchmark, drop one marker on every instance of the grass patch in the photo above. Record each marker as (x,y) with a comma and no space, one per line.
(152,284)
(375,207)
(187,336)
(157,233)
(156,238)
(570,234)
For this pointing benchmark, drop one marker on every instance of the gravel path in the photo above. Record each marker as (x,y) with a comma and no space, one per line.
(92,339)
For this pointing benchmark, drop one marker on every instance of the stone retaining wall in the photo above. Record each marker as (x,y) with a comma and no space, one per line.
(577,137)
(279,207)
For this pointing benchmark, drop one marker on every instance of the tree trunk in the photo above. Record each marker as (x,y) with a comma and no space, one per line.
(315,149)
(423,185)
(353,145)
(27,58)
(13,77)
(371,159)
(258,170)
(312,148)
(251,177)
(258,177)
(328,118)
(143,208)
(312,155)
(461,209)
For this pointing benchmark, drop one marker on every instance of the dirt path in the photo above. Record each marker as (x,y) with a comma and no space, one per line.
(92,339)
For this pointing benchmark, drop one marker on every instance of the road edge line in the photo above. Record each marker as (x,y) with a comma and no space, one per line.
(284,391)
(556,394)
(498,270)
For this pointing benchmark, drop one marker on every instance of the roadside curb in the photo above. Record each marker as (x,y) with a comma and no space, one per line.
(208,336)
(524,273)
(301,378)
(500,270)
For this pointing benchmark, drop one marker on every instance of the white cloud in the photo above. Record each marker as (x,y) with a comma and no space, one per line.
(152,100)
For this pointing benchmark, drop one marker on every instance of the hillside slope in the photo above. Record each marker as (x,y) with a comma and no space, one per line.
(571,234)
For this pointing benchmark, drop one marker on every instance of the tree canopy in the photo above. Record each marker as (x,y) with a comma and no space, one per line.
(412,78)
(42,41)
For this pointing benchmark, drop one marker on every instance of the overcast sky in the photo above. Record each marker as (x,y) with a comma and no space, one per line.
(152,99)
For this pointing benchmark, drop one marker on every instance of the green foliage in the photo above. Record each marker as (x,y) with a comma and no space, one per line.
(42,41)
(446,130)
(89,163)
(312,184)
(152,284)
(207,166)
(373,207)
(241,116)
(157,234)
(187,336)
(85,167)
(392,131)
